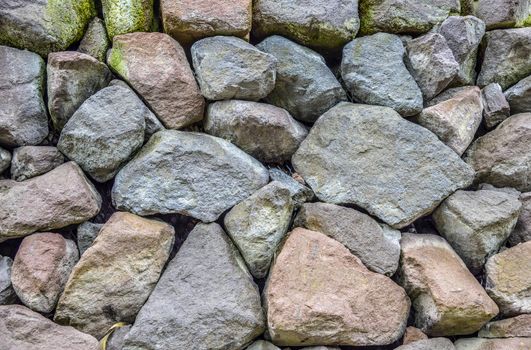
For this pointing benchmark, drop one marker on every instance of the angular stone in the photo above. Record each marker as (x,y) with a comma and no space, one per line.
(495,106)
(117,339)
(413,334)
(262,345)
(95,41)
(503,13)
(429,344)
(447,95)
(456,120)
(502,157)
(231,68)
(493,344)
(463,36)
(258,224)
(477,223)
(377,246)
(133,251)
(41,268)
(188,173)
(323,25)
(506,57)
(7,293)
(44,26)
(5,160)
(518,326)
(333,298)
(299,193)
(61,197)
(508,277)
(206,299)
(266,132)
(519,96)
(344,154)
(23,119)
(432,63)
(31,161)
(398,16)
(522,230)
(155,66)
(22,328)
(127,16)
(86,234)
(105,132)
(373,70)
(72,78)
(305,86)
(191,20)
(447,299)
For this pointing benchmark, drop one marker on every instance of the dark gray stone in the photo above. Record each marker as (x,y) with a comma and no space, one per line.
(5,159)
(7,293)
(95,42)
(299,193)
(86,234)
(519,96)
(522,230)
(495,106)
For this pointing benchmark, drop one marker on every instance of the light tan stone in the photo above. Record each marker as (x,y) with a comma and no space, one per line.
(493,344)
(519,326)
(413,334)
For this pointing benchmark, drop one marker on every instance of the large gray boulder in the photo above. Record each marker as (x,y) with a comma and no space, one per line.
(206,299)
(188,173)
(344,154)
(374,72)
(31,161)
(519,96)
(503,13)
(495,106)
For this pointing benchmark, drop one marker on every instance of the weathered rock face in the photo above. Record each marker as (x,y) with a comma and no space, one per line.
(377,246)
(61,197)
(72,78)
(519,326)
(299,193)
(156,67)
(503,156)
(519,96)
(429,344)
(190,20)
(23,119)
(5,159)
(373,70)
(133,251)
(502,13)
(105,132)
(456,120)
(206,299)
(117,339)
(477,223)
(297,313)
(7,293)
(399,16)
(31,161)
(413,334)
(44,26)
(86,234)
(231,68)
(322,25)
(447,299)
(506,57)
(189,173)
(22,328)
(127,16)
(495,106)
(344,154)
(262,345)
(508,279)
(95,42)
(522,230)
(488,344)
(305,86)
(258,224)
(41,268)
(266,132)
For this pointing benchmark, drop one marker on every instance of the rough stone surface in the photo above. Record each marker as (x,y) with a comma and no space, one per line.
(105,132)
(86,234)
(127,16)
(508,277)
(503,156)
(156,67)
(519,96)
(117,339)
(429,344)
(72,78)
(268,133)
(299,192)
(258,224)
(46,25)
(495,106)
(95,41)
(518,326)
(262,345)
(115,276)
(23,119)
(377,246)
(41,268)
(522,230)
(305,86)
(477,223)
(333,299)
(502,13)
(22,328)
(322,25)
(31,161)
(7,293)
(506,57)
(446,297)
(413,334)
(188,173)
(456,120)
(493,344)
(61,197)
(5,159)
(374,72)
(344,154)
(432,63)
(205,300)
(231,68)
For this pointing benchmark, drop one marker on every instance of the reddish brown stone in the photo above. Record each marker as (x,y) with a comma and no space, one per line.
(413,334)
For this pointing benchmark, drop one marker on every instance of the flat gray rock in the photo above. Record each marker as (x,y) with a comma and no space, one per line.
(299,193)
(95,42)
(206,299)
(503,13)
(429,344)
(344,154)
(495,106)
(5,159)
(374,72)
(522,230)
(7,293)
(519,96)
(86,234)
(31,161)
(188,173)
